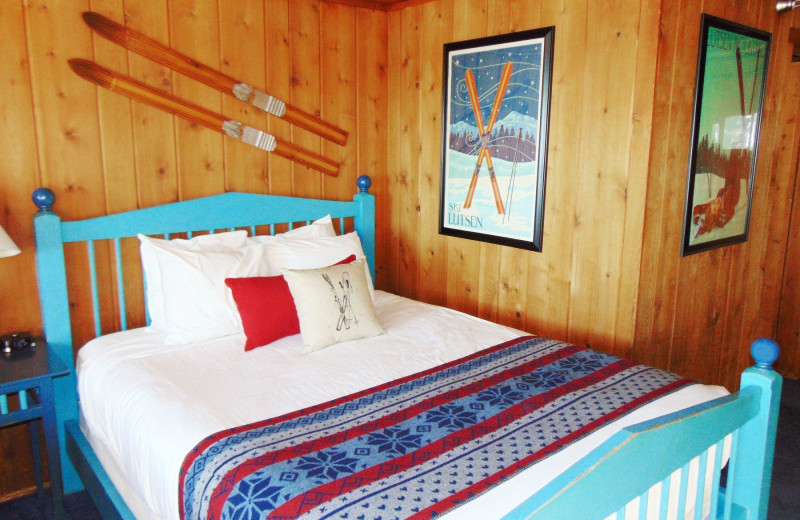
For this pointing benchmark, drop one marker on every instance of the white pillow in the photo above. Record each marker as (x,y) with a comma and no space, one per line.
(227,241)
(197,303)
(314,254)
(319,228)
(333,304)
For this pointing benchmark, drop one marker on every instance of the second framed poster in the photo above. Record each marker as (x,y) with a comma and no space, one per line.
(496,110)
(729,100)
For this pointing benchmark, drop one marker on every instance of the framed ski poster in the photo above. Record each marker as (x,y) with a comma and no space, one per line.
(729,98)
(496,109)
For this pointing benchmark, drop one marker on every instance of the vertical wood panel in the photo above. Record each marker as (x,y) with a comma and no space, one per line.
(408,152)
(243,56)
(438,19)
(550,287)
(392,282)
(194,30)
(372,121)
(304,37)
(339,94)
(279,84)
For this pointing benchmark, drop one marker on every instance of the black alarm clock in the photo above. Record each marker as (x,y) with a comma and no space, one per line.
(17,342)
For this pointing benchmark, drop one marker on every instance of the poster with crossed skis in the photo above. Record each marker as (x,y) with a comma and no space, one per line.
(496,109)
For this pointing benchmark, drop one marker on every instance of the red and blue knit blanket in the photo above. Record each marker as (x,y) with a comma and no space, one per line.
(418,446)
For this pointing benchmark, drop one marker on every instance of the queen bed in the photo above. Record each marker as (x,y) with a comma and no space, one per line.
(153,406)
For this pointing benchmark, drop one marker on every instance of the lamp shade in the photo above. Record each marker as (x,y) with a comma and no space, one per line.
(7,246)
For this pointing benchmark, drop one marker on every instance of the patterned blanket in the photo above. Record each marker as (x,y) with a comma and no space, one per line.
(418,446)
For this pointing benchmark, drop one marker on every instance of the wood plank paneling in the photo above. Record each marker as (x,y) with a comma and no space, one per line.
(610,274)
(697,315)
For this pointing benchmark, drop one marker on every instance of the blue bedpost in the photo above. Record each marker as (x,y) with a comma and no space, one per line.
(365,220)
(751,464)
(54,302)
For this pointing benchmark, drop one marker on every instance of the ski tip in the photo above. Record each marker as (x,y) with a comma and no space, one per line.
(79,65)
(91,18)
(104,26)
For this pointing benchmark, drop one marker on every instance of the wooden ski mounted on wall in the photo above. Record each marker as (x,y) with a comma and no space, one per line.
(196,114)
(160,53)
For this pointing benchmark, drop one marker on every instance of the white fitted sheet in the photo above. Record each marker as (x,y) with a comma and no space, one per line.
(145,404)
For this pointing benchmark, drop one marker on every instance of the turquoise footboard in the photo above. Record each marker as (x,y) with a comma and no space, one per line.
(636,469)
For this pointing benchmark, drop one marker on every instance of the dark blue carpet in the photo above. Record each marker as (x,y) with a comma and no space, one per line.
(784,498)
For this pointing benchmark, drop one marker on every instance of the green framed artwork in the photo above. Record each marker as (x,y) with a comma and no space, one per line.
(729,99)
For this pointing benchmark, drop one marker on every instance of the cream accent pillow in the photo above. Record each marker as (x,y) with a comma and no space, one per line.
(333,304)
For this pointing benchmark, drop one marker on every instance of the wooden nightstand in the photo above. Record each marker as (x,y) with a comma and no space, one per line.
(26,395)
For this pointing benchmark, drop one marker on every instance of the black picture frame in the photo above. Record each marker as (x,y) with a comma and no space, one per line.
(501,201)
(728,103)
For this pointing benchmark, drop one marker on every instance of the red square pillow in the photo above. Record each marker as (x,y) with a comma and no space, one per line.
(266,307)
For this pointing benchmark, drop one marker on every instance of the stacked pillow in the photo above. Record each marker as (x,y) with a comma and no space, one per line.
(226,283)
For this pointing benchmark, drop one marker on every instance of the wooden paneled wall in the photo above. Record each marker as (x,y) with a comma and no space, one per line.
(697,315)
(610,274)
(102,153)
(582,287)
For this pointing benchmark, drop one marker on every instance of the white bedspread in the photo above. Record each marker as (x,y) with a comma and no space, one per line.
(145,404)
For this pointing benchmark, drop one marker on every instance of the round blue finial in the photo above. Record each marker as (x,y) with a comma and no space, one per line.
(364,182)
(764,352)
(44,198)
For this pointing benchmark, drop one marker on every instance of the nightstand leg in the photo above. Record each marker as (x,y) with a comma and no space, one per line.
(53,456)
(36,449)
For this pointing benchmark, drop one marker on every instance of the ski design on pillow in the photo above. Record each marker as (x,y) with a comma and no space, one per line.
(347,316)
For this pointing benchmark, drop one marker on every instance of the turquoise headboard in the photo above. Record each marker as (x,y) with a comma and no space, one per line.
(215,213)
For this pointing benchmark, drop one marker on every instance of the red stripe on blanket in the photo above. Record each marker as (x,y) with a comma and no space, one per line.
(241,471)
(326,492)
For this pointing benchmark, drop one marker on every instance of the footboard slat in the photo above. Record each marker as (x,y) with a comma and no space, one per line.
(701,485)
(683,490)
(643,502)
(664,503)
(720,446)
(728,510)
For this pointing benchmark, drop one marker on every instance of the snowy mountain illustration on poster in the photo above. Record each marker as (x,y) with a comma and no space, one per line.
(491,183)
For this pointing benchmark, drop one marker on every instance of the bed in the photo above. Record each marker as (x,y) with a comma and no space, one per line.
(119,446)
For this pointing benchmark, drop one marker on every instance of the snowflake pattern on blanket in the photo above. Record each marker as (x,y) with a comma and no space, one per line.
(419,446)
